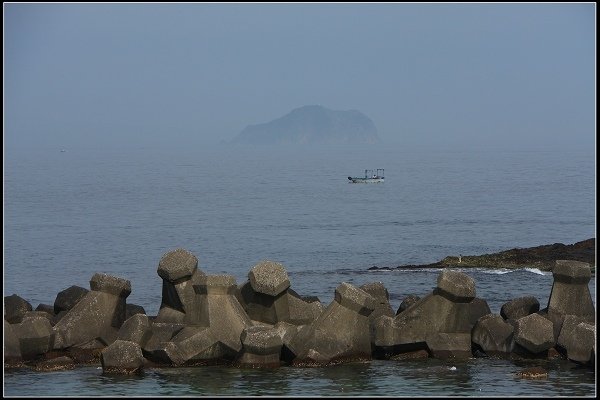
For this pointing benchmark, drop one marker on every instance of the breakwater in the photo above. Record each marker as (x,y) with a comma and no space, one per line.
(263,323)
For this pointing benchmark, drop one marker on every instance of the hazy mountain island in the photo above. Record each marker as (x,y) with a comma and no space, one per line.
(310,125)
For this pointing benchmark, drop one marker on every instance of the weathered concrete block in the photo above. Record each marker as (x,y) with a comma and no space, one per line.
(47,309)
(137,329)
(520,307)
(167,314)
(132,309)
(340,333)
(261,347)
(221,311)
(36,314)
(179,302)
(493,335)
(450,309)
(382,299)
(534,333)
(197,346)
(35,336)
(455,286)
(433,313)
(354,299)
(12,348)
(177,265)
(122,357)
(179,271)
(570,293)
(475,309)
(287,306)
(14,308)
(449,345)
(407,302)
(577,337)
(161,332)
(269,277)
(110,284)
(571,271)
(97,315)
(287,332)
(263,307)
(261,340)
(66,299)
(299,311)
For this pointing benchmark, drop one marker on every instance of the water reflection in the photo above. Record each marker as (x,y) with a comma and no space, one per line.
(439,376)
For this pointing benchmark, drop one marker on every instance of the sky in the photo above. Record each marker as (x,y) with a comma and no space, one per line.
(459,75)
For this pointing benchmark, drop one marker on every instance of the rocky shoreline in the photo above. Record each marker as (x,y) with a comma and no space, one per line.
(263,323)
(540,257)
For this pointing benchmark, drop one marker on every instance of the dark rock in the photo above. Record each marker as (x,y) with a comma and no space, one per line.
(533,373)
(179,272)
(66,299)
(570,294)
(12,348)
(136,329)
(493,335)
(55,364)
(132,309)
(15,308)
(446,310)
(35,335)
(176,265)
(578,338)
(47,308)
(261,347)
(534,333)
(341,333)
(541,257)
(98,315)
(122,357)
(407,302)
(520,307)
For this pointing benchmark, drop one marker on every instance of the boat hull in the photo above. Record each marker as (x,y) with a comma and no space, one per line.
(366,180)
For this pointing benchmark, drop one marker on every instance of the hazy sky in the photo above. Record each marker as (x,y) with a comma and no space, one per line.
(148,74)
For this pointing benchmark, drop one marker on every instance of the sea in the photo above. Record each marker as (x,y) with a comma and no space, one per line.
(70,213)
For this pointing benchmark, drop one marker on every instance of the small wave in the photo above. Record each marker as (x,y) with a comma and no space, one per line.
(537,271)
(500,271)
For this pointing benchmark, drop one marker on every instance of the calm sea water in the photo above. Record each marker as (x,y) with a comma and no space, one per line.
(68,215)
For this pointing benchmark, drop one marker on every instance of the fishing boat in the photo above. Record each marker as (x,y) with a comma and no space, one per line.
(369,177)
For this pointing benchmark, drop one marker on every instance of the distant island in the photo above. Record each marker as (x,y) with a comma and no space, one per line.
(540,257)
(313,124)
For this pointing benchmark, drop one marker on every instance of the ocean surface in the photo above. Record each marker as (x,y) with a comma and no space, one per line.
(69,214)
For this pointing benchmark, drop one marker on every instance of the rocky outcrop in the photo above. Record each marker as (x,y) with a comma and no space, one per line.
(542,257)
